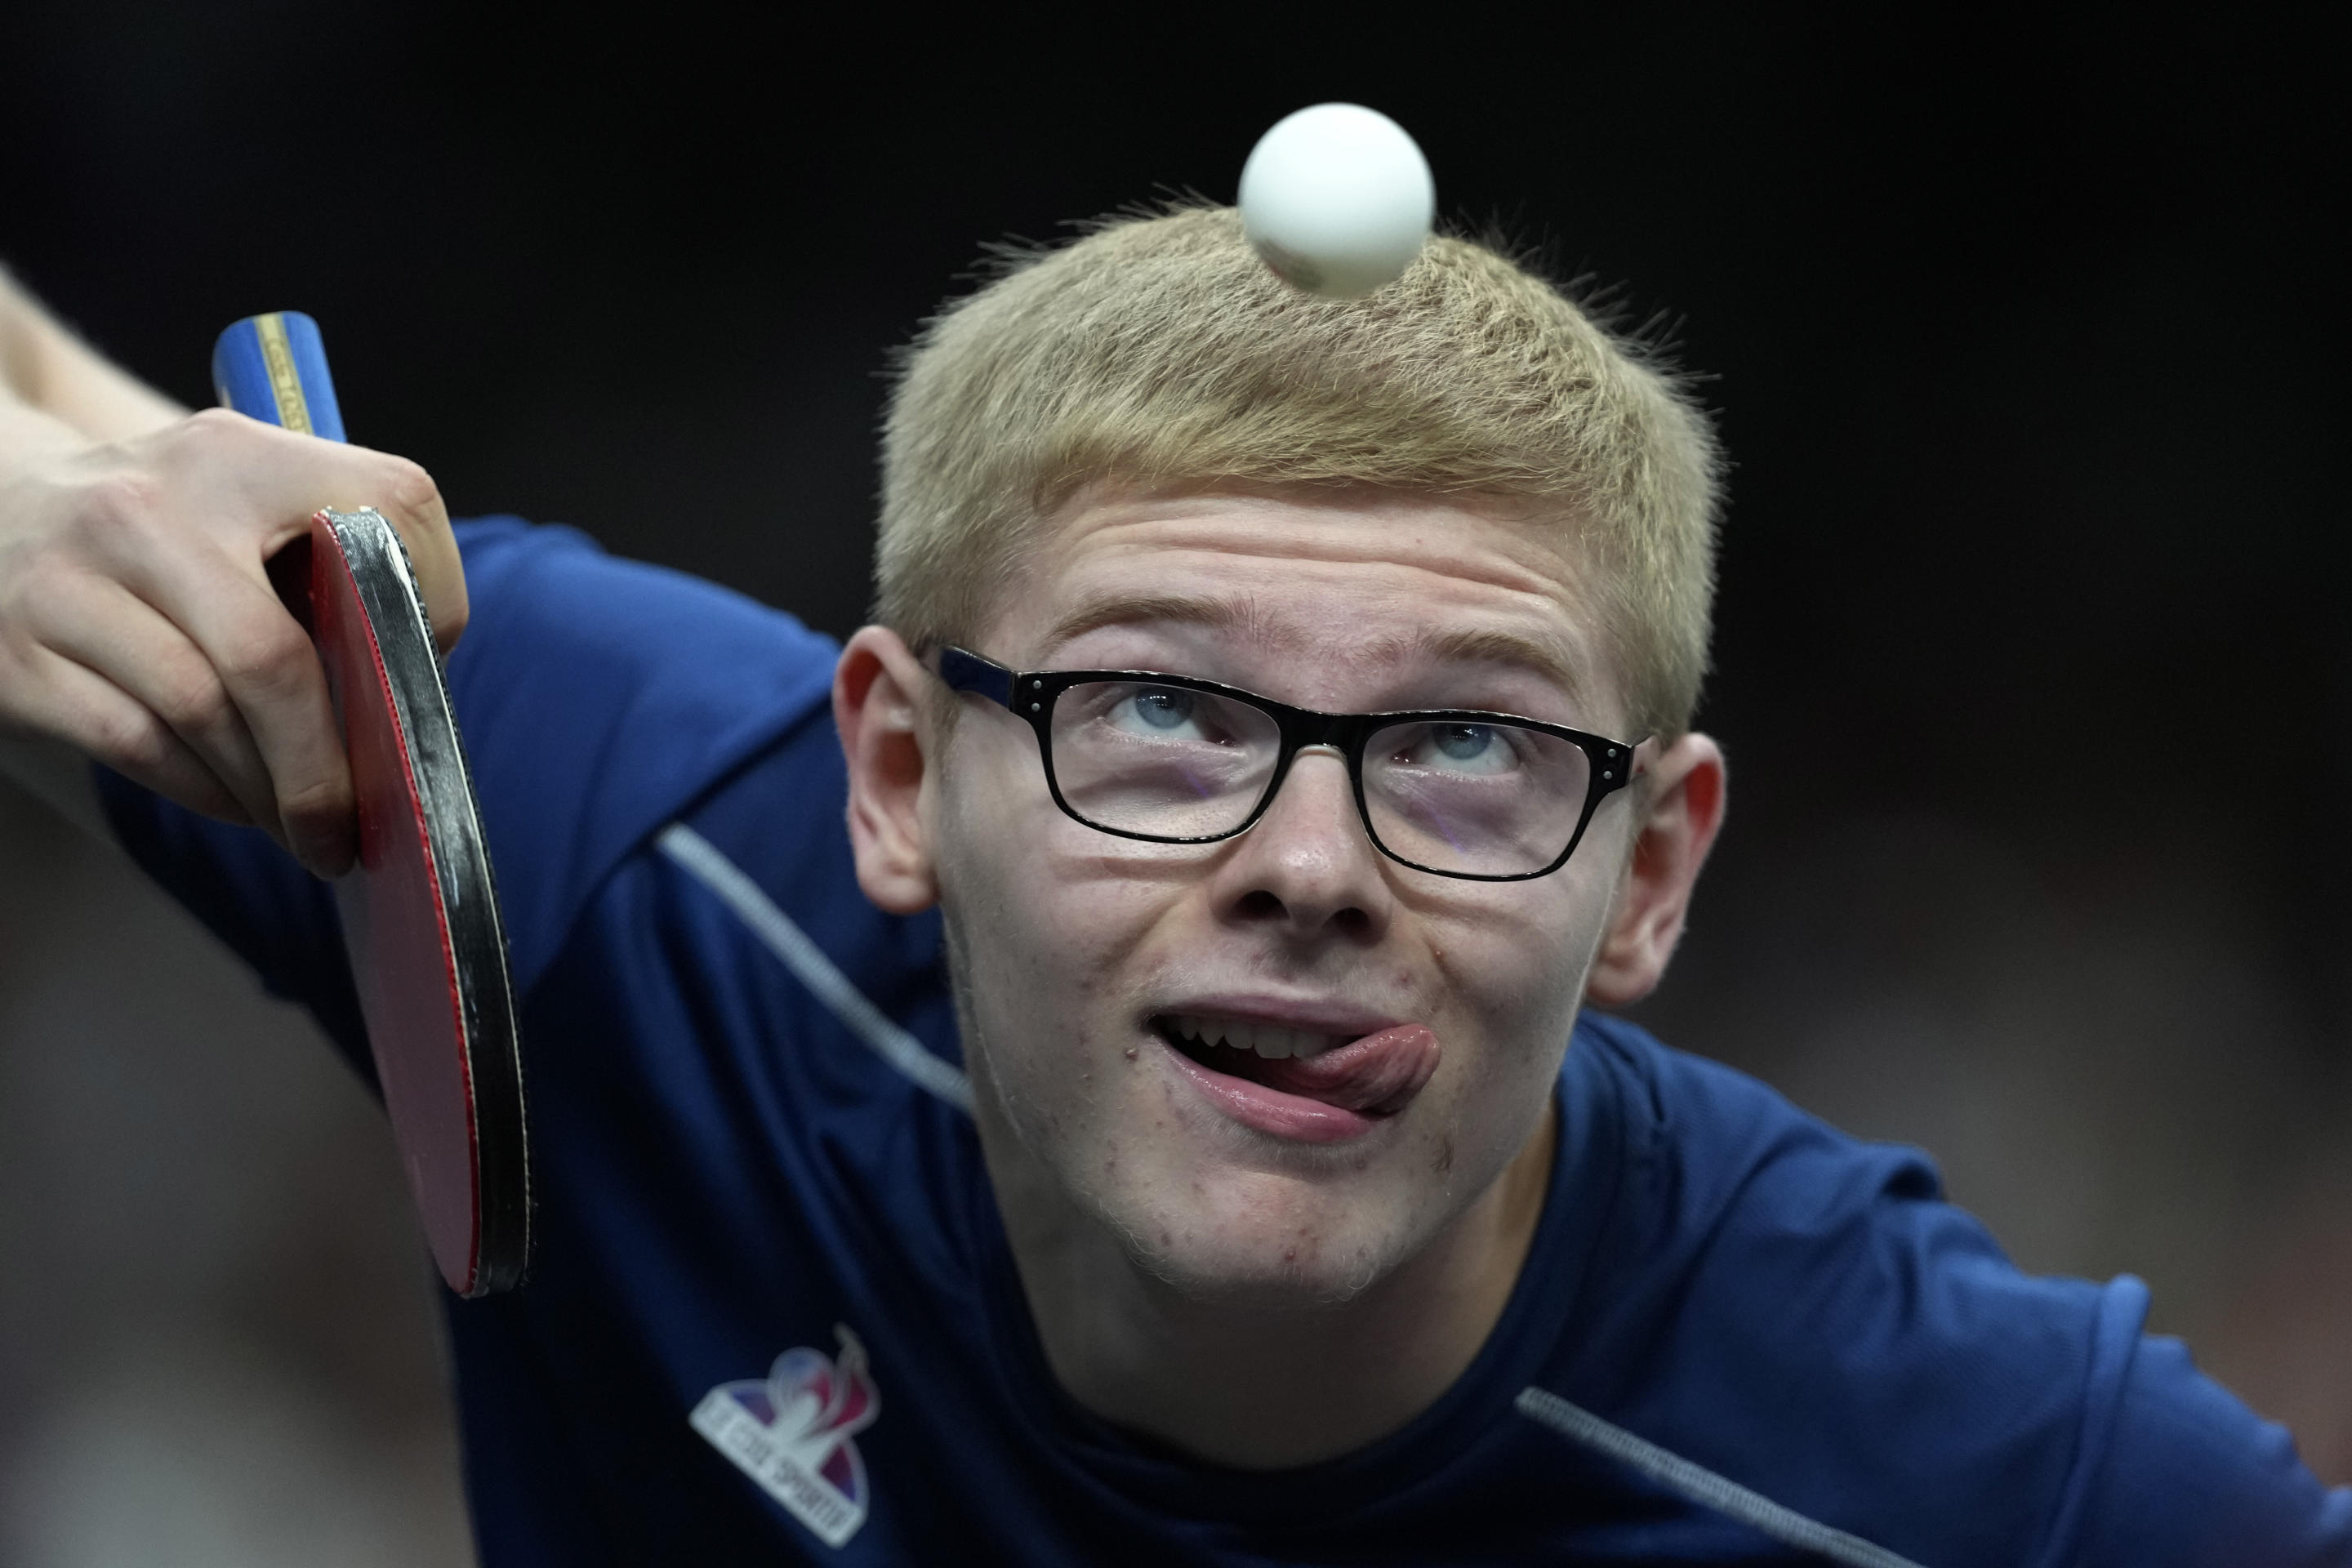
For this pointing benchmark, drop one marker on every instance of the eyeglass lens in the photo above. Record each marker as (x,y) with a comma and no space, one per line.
(1491,799)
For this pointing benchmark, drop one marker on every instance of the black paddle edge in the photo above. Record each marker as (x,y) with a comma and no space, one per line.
(386,581)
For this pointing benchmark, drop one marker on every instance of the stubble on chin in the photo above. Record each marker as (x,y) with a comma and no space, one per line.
(1236,1238)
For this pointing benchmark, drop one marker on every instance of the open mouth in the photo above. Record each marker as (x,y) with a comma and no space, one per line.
(1232,1044)
(1373,1075)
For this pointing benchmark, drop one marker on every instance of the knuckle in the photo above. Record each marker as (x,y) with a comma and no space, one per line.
(318,800)
(128,497)
(194,703)
(204,437)
(210,425)
(270,654)
(408,484)
(409,495)
(41,580)
(215,451)
(122,514)
(130,740)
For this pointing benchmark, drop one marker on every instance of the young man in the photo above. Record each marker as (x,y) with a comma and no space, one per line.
(1164,1127)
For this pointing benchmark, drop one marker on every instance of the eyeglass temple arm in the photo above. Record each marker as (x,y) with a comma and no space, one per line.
(965,671)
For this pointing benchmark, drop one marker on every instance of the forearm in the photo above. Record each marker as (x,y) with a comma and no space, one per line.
(52,389)
(55,391)
(58,396)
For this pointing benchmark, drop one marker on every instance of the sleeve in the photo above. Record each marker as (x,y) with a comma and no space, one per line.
(2185,1475)
(1825,1329)
(597,698)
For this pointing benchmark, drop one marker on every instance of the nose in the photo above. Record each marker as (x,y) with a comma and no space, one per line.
(1309,866)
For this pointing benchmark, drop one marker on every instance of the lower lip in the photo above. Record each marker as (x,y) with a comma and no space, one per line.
(1271,1110)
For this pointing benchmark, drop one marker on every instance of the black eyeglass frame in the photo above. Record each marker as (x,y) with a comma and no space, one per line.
(1032,694)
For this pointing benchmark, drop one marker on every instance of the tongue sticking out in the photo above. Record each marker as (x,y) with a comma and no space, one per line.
(1378,1075)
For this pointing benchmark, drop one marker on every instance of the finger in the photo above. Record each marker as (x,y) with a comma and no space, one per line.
(109,725)
(411,504)
(288,478)
(271,676)
(107,629)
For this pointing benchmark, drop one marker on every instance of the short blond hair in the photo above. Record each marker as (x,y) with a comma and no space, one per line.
(1158,352)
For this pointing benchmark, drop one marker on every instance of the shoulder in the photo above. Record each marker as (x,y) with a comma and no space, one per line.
(548,602)
(1802,1311)
(1796,1265)
(1718,1163)
(599,699)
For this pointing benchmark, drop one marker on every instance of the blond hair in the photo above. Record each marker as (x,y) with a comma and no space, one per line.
(1160,351)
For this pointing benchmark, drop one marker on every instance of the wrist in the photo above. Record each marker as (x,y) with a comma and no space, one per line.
(46,369)
(29,433)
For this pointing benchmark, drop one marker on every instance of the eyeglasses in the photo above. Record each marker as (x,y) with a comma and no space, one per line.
(1490,797)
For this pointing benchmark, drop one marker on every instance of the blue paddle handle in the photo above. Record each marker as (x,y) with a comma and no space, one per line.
(274,368)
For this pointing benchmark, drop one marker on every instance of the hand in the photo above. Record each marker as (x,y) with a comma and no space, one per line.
(138,625)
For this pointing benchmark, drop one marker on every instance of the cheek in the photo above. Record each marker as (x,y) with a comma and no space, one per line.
(1045,922)
(1520,966)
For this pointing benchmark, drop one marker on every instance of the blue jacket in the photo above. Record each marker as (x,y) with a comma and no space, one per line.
(773,1318)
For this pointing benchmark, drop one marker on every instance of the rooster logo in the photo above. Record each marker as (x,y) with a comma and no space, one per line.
(790,1432)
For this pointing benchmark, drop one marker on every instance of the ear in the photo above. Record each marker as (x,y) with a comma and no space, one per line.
(1685,793)
(878,692)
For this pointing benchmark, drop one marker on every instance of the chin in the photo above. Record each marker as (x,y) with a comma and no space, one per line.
(1260,1243)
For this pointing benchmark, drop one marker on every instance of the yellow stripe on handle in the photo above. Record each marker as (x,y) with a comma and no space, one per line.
(285,385)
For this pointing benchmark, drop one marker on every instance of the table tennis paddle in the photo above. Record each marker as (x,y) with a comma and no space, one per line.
(420,911)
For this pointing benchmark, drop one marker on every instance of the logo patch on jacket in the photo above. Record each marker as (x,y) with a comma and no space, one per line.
(791,1433)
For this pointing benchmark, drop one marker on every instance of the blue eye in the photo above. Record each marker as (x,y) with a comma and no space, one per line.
(1161,707)
(1458,750)
(1464,743)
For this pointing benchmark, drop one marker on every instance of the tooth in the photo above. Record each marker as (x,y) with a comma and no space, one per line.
(1241,1036)
(1273,1043)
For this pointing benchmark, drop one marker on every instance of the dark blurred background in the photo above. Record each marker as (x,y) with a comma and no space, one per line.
(2034,666)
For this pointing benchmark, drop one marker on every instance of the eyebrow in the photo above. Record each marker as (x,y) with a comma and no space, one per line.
(1555,660)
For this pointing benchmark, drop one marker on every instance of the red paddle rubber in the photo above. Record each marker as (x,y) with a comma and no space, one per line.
(420,912)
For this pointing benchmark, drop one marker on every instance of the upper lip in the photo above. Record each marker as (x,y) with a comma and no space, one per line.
(1307,1015)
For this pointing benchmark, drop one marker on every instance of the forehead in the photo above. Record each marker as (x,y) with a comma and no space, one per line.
(1325,594)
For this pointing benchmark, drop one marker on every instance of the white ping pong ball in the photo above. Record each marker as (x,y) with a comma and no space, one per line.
(1337,200)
